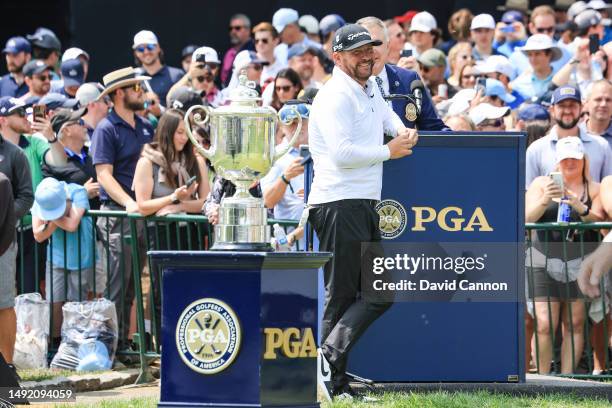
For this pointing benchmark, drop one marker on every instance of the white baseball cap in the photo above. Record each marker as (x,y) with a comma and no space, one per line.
(144,37)
(423,22)
(283,17)
(495,63)
(209,53)
(309,23)
(74,53)
(483,21)
(88,92)
(460,103)
(485,111)
(575,9)
(599,5)
(570,147)
(539,42)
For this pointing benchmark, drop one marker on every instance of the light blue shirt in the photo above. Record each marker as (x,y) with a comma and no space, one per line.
(541,156)
(79,198)
(290,206)
(520,62)
(528,85)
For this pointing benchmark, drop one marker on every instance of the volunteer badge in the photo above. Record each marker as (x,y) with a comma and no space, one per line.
(208,336)
(392,218)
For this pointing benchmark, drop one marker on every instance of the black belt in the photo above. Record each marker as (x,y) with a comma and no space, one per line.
(372,203)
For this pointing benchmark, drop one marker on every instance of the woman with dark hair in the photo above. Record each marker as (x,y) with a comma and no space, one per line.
(164,168)
(287,86)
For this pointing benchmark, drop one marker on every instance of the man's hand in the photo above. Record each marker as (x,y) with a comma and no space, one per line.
(43,125)
(92,187)
(402,144)
(294,169)
(593,268)
(408,63)
(131,207)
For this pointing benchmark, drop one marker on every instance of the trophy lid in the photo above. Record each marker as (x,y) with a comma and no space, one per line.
(245,93)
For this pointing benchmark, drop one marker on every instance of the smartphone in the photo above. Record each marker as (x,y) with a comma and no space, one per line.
(190,181)
(593,43)
(406,53)
(557,178)
(481,84)
(507,29)
(305,154)
(39,111)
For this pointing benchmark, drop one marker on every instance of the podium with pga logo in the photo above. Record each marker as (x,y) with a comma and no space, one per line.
(239,329)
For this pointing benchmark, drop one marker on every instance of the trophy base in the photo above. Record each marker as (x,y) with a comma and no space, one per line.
(242,246)
(243,226)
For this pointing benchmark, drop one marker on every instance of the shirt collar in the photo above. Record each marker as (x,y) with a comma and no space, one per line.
(23,142)
(80,156)
(115,119)
(548,78)
(582,134)
(355,86)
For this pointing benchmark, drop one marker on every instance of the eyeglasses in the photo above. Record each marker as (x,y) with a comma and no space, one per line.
(21,112)
(203,78)
(137,87)
(492,123)
(43,78)
(262,40)
(149,47)
(287,113)
(424,68)
(284,88)
(542,30)
(235,28)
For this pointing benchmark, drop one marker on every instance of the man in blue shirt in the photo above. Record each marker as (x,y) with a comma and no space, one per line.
(58,213)
(148,53)
(17,53)
(115,148)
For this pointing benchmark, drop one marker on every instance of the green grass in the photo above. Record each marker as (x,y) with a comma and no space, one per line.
(440,399)
(41,374)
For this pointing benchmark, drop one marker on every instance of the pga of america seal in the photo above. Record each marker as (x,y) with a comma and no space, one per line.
(392,218)
(208,336)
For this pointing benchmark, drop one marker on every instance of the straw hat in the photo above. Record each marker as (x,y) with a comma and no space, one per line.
(121,78)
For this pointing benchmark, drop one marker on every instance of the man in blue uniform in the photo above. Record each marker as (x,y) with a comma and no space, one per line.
(17,53)
(394,80)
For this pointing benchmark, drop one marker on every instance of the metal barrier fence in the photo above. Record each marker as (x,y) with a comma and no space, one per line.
(566,334)
(121,241)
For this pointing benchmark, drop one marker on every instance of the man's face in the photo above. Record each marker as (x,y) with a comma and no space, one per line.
(357,63)
(254,72)
(303,65)
(596,29)
(421,40)
(599,104)
(432,75)
(567,113)
(147,54)
(18,122)
(380,51)
(397,37)
(133,97)
(238,32)
(264,42)
(186,62)
(482,37)
(99,109)
(288,34)
(15,62)
(40,84)
(543,24)
(539,59)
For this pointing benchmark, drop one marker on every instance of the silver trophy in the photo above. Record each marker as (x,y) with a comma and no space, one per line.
(242,150)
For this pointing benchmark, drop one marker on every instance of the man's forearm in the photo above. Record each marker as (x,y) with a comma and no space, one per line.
(274,193)
(56,156)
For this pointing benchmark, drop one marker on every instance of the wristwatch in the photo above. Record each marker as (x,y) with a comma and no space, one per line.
(174,199)
(54,140)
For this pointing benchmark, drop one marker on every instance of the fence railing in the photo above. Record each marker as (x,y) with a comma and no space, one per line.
(561,328)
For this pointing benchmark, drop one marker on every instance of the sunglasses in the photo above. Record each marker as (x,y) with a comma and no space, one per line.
(203,78)
(137,87)
(235,28)
(43,78)
(284,88)
(262,40)
(542,30)
(21,112)
(424,69)
(149,47)
(493,123)
(287,113)
(79,122)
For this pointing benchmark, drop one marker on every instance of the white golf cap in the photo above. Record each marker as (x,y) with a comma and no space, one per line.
(74,53)
(486,111)
(283,17)
(423,22)
(209,53)
(576,8)
(309,23)
(538,42)
(88,92)
(495,63)
(599,5)
(144,37)
(460,103)
(483,21)
(570,147)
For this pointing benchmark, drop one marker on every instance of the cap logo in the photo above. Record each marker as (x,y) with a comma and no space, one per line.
(351,37)
(338,47)
(12,43)
(72,72)
(337,37)
(3,110)
(567,91)
(39,63)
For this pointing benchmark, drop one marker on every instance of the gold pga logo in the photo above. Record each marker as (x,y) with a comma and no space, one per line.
(392,218)
(291,342)
(208,336)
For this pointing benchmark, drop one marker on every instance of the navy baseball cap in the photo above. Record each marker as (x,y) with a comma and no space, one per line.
(564,93)
(45,38)
(16,45)
(351,36)
(73,72)
(330,22)
(9,104)
(53,100)
(512,16)
(35,67)
(296,50)
(188,50)
(533,111)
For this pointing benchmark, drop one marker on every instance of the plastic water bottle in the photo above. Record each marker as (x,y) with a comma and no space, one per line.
(563,214)
(282,244)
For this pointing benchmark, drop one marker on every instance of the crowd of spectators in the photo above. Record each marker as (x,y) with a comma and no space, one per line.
(70,143)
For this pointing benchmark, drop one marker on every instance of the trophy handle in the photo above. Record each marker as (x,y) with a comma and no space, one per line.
(278,152)
(208,153)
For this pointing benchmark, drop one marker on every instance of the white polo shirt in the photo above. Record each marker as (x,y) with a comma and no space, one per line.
(345,133)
